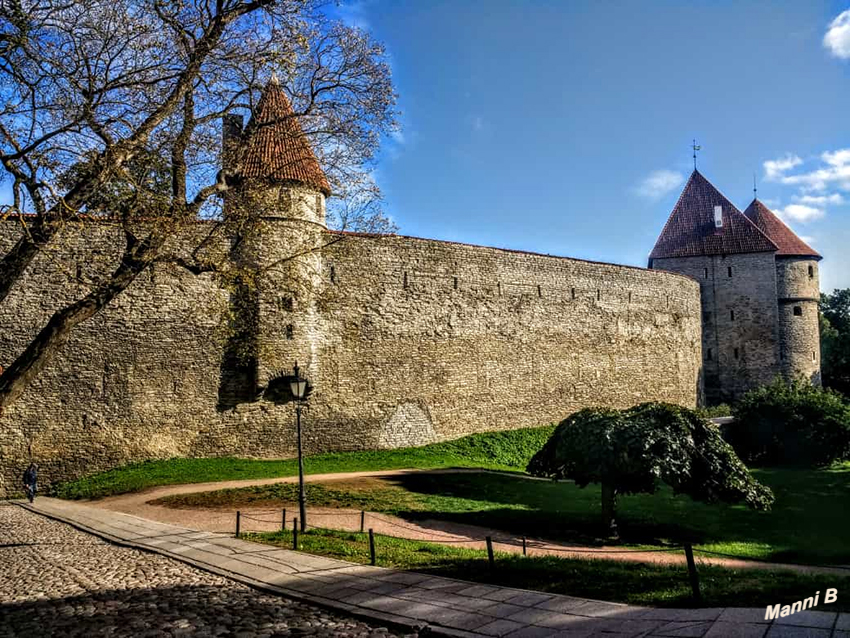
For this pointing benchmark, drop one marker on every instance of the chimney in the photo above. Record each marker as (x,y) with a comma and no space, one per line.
(231,139)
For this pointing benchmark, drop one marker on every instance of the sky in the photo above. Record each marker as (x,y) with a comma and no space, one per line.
(566,127)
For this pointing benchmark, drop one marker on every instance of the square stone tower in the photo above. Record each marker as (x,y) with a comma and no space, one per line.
(759,290)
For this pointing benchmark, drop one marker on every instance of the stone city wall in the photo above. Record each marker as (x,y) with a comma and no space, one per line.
(408,341)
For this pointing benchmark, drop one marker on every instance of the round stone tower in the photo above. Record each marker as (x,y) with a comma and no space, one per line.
(278,216)
(798,294)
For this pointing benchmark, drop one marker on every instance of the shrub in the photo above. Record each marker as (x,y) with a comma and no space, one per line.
(633,451)
(790,424)
(714,411)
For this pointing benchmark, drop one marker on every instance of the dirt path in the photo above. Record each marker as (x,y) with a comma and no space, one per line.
(456,534)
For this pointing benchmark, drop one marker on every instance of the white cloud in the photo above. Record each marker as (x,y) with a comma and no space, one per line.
(659,183)
(834,172)
(819,200)
(398,136)
(840,157)
(800,213)
(837,38)
(775,169)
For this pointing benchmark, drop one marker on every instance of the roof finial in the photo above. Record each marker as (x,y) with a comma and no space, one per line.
(696,148)
(755,187)
(274,79)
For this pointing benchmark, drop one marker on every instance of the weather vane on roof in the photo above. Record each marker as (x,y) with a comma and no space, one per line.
(696,148)
(755,188)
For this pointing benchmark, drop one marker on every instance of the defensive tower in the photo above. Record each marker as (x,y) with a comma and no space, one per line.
(798,294)
(277,214)
(758,288)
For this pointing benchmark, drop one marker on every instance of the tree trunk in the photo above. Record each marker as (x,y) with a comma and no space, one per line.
(609,506)
(57,331)
(14,262)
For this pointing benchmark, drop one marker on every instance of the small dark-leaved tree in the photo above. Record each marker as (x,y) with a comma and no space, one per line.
(635,450)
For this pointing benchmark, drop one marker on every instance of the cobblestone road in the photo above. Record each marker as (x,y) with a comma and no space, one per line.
(57,581)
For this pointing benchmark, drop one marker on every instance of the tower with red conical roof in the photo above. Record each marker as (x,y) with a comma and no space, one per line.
(798,295)
(758,286)
(277,213)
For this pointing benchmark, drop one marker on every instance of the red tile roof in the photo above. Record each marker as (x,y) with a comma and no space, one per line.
(275,145)
(789,244)
(690,230)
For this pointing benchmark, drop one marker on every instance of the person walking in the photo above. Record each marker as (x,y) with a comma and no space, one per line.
(31,481)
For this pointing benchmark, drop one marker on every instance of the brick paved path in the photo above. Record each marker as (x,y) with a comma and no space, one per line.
(57,581)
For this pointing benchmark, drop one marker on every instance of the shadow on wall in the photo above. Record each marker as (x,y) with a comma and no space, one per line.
(238,375)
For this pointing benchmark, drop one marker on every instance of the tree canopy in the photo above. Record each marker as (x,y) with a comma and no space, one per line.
(112,109)
(636,450)
(835,340)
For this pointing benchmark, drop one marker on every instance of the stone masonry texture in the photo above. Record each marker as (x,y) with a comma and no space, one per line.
(406,341)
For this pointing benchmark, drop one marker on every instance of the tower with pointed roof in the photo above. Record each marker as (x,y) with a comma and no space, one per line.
(277,216)
(758,286)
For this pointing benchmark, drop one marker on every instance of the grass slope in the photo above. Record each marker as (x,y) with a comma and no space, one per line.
(635,583)
(808,522)
(510,450)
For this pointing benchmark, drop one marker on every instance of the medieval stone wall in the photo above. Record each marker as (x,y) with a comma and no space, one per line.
(739,320)
(406,341)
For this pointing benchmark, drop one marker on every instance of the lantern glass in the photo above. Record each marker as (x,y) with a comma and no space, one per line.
(298,387)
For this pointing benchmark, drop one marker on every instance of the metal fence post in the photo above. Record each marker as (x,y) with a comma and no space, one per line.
(490,551)
(524,550)
(372,546)
(295,533)
(692,571)
(283,520)
(362,520)
(238,517)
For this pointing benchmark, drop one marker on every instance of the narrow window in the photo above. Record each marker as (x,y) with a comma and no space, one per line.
(454,281)
(798,311)
(333,274)
(499,288)
(732,315)
(286,304)
(705,273)
(708,355)
(598,295)
(729,270)
(573,293)
(289,331)
(79,271)
(811,271)
(814,358)
(630,297)
(405,280)
(539,292)
(736,353)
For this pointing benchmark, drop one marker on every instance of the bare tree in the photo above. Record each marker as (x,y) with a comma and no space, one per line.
(111,108)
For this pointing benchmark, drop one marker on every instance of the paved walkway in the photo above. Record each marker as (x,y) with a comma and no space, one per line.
(58,582)
(443,606)
(471,536)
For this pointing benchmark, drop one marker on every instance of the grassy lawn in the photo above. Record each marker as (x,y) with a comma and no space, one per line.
(510,450)
(807,524)
(633,583)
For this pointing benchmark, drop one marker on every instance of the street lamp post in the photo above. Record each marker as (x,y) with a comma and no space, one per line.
(299,388)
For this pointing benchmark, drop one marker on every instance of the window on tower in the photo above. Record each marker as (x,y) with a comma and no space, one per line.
(729,271)
(811,272)
(798,311)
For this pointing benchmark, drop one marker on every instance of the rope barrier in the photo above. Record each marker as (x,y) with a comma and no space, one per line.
(447,538)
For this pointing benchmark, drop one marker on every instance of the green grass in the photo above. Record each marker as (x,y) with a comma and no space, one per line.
(808,523)
(635,583)
(509,450)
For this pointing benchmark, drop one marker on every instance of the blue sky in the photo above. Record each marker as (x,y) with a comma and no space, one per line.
(565,127)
